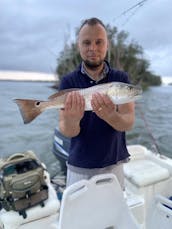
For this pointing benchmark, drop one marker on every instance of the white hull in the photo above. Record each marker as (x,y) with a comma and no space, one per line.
(100,203)
(149,176)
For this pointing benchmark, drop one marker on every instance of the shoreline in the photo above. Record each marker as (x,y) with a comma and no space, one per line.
(7,75)
(27,76)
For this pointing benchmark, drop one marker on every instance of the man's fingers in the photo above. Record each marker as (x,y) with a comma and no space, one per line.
(98,102)
(68,102)
(102,105)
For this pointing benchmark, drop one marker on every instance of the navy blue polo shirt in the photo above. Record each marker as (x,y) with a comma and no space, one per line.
(97,145)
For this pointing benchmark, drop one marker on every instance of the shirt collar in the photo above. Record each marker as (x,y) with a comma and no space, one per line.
(102,75)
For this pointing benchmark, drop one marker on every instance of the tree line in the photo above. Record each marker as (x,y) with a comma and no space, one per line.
(122,55)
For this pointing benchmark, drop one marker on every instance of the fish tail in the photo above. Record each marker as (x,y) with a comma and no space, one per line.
(29,109)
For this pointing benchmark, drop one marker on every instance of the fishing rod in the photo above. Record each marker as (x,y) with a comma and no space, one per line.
(148,129)
(133,7)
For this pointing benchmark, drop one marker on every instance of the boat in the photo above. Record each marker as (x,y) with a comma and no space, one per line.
(148,182)
(100,203)
(60,149)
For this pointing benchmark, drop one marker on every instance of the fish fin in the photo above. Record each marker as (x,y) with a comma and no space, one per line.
(63,92)
(28,109)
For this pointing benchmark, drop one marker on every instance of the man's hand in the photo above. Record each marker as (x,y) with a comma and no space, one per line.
(71,115)
(102,106)
(121,120)
(74,106)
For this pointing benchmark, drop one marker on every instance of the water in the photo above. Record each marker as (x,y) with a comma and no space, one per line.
(152,127)
(36,136)
(154,120)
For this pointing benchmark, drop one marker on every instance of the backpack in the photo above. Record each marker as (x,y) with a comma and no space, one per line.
(22,182)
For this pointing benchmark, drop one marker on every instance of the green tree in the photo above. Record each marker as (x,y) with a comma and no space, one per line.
(122,55)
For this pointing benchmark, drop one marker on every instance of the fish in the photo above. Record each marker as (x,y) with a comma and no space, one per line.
(119,93)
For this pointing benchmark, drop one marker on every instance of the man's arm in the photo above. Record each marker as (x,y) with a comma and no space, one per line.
(121,119)
(70,116)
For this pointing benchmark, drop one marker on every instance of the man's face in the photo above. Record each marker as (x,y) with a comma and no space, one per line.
(93,44)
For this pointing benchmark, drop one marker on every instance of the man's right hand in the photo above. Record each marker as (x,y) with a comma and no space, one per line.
(74,106)
(72,114)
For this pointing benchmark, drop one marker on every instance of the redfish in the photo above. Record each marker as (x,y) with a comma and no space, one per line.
(118,92)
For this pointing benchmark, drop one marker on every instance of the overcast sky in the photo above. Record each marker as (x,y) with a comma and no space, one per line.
(33,32)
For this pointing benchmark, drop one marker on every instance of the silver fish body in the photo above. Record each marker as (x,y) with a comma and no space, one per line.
(118,92)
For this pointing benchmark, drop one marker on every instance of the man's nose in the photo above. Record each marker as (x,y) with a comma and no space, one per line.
(92,46)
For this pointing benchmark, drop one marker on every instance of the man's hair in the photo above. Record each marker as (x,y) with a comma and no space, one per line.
(91,21)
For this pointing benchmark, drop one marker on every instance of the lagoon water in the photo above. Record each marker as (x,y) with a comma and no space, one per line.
(153,125)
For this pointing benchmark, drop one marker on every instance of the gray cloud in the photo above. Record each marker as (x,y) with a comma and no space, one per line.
(33,32)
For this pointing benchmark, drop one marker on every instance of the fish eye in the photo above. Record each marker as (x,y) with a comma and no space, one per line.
(37,103)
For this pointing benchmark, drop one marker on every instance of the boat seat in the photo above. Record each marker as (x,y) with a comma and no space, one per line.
(141,170)
(137,151)
(144,172)
(97,203)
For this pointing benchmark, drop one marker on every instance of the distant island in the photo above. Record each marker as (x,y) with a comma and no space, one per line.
(27,76)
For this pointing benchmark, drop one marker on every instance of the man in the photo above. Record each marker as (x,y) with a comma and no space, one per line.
(98,143)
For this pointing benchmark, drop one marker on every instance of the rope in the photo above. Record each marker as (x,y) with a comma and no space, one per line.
(148,129)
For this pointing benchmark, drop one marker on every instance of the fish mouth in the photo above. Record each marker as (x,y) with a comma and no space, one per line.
(137,97)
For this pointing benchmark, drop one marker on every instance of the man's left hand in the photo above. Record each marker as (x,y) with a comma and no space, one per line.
(103,106)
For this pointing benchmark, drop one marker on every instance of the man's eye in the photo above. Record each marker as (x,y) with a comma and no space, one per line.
(86,42)
(99,42)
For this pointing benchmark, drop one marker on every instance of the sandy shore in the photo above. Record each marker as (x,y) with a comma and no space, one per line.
(27,76)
